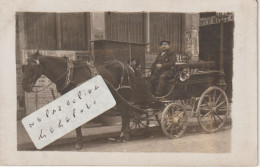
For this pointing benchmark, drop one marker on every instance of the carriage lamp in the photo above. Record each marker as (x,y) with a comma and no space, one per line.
(184,75)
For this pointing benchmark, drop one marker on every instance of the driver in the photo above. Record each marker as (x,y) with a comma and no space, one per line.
(162,69)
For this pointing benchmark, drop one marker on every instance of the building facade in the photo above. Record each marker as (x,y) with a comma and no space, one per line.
(71,34)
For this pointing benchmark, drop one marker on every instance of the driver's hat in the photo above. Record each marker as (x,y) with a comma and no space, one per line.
(165,40)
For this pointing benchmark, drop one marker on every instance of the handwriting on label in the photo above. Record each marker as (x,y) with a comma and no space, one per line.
(68,112)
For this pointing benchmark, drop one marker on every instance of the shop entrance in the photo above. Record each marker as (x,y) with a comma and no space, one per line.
(209,44)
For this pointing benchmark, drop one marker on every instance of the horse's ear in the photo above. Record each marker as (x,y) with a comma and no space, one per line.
(36,55)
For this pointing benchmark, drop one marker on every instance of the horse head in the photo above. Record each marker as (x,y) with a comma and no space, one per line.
(32,71)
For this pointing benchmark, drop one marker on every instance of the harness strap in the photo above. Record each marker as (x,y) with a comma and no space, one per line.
(129,81)
(121,86)
(51,83)
(92,68)
(70,67)
(69,76)
(122,77)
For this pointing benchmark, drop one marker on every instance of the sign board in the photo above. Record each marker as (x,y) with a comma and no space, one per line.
(182,58)
(215,20)
(191,45)
(72,55)
(68,112)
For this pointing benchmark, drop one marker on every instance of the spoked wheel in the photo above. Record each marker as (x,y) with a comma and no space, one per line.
(139,123)
(174,120)
(212,109)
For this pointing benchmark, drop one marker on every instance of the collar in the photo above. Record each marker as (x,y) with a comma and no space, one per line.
(69,75)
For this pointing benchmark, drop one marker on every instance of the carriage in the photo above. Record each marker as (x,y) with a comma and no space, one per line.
(193,91)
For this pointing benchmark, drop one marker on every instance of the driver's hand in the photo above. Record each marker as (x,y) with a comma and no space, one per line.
(158,66)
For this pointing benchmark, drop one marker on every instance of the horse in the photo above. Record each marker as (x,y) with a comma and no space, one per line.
(67,75)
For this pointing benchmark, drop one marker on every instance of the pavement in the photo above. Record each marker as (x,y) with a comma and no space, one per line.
(90,131)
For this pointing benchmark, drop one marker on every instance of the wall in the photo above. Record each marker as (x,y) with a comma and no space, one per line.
(170,26)
(131,27)
(147,28)
(52,31)
(127,27)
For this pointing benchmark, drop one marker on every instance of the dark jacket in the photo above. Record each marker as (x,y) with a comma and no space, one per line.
(168,60)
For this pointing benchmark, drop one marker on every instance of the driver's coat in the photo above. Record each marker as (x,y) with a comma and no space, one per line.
(167,60)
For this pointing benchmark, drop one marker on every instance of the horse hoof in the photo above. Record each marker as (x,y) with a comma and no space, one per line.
(121,140)
(127,138)
(78,146)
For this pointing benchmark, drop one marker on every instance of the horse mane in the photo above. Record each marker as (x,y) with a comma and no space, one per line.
(54,57)
(63,58)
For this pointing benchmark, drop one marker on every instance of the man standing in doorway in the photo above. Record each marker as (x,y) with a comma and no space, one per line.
(162,69)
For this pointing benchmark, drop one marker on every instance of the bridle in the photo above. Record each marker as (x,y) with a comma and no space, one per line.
(68,73)
(39,68)
(34,78)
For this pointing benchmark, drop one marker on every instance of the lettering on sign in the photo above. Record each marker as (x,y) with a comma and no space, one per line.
(68,112)
(182,58)
(215,20)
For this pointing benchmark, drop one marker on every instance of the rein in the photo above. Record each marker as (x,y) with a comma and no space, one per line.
(94,72)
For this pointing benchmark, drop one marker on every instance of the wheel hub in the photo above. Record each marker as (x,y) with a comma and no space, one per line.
(214,109)
(176,120)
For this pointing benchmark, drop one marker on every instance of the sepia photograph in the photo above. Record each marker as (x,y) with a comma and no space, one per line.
(170,74)
(128,83)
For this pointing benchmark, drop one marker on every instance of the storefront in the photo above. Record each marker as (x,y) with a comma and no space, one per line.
(210,38)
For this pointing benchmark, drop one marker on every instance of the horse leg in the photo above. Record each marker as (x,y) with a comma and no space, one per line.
(125,130)
(158,119)
(79,144)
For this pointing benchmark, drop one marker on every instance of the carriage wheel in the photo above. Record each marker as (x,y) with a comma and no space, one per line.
(212,109)
(174,120)
(138,123)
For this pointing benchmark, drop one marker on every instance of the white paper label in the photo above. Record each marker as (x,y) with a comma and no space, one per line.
(68,112)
